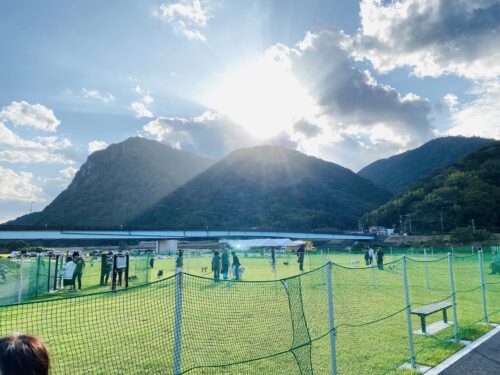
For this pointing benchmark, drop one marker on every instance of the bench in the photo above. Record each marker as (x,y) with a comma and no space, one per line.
(424,311)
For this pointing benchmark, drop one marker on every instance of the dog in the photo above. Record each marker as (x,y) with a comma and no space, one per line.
(204,269)
(286,262)
(241,272)
(133,278)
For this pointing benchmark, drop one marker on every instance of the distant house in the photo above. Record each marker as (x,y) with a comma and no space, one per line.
(380,231)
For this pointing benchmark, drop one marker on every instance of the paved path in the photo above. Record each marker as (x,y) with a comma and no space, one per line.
(483,360)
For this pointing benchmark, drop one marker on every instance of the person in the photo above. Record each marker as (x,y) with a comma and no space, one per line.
(179,262)
(370,256)
(216,266)
(273,258)
(300,257)
(77,274)
(225,264)
(495,265)
(367,257)
(23,355)
(380,258)
(236,266)
(69,270)
(479,248)
(108,266)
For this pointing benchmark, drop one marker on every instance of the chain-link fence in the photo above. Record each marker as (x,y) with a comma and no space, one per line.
(333,319)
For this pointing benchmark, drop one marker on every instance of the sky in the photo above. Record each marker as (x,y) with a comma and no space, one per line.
(349,82)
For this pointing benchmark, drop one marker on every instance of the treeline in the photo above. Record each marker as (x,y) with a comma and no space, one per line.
(465,194)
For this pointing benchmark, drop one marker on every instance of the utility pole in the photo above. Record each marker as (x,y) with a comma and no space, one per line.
(442,226)
(409,218)
(473,225)
(401,224)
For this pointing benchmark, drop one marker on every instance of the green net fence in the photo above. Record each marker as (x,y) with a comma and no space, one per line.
(191,324)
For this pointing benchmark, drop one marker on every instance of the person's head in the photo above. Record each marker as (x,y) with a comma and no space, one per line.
(110,253)
(180,253)
(216,252)
(69,259)
(76,255)
(23,355)
(233,252)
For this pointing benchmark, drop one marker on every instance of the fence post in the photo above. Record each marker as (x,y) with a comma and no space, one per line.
(483,284)
(408,315)
(453,302)
(178,323)
(374,282)
(427,284)
(331,316)
(19,294)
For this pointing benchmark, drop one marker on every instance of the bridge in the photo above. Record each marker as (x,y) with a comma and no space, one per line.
(129,234)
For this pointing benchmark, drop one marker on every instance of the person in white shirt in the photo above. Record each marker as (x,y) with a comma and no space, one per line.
(371,254)
(69,269)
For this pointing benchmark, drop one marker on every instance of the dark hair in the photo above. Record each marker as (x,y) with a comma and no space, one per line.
(69,259)
(76,254)
(23,355)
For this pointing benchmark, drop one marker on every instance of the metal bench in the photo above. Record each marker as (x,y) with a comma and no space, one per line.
(424,311)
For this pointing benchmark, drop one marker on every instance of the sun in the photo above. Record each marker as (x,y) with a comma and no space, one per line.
(264,97)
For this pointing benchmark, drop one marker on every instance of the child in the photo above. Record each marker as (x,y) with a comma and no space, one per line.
(23,354)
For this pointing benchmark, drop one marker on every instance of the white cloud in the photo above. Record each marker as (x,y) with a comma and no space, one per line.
(68,173)
(451,101)
(96,95)
(96,146)
(30,115)
(480,117)
(140,110)
(14,149)
(18,186)
(433,37)
(187,17)
(209,134)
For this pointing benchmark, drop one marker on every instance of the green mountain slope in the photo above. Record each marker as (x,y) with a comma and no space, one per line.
(119,182)
(465,191)
(268,187)
(400,171)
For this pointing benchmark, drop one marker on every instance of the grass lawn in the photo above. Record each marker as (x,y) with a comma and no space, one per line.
(284,324)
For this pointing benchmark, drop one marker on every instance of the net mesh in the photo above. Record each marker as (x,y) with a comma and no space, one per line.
(257,327)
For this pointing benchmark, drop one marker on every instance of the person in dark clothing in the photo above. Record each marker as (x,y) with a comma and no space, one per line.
(300,257)
(179,262)
(367,257)
(236,265)
(216,266)
(225,264)
(77,274)
(108,266)
(380,258)
(273,258)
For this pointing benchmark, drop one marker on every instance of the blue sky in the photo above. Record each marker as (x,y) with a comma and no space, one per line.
(347,81)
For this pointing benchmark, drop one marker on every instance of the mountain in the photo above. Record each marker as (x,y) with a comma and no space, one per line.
(118,183)
(452,197)
(268,187)
(400,171)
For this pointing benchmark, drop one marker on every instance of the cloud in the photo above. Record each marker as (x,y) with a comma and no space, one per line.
(68,173)
(140,110)
(451,101)
(14,149)
(210,134)
(30,115)
(480,117)
(306,128)
(433,37)
(18,186)
(187,17)
(96,95)
(96,146)
(140,106)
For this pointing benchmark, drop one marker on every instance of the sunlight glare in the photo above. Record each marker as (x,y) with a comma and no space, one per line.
(265,98)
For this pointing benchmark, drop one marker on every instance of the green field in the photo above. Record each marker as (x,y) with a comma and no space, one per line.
(255,327)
